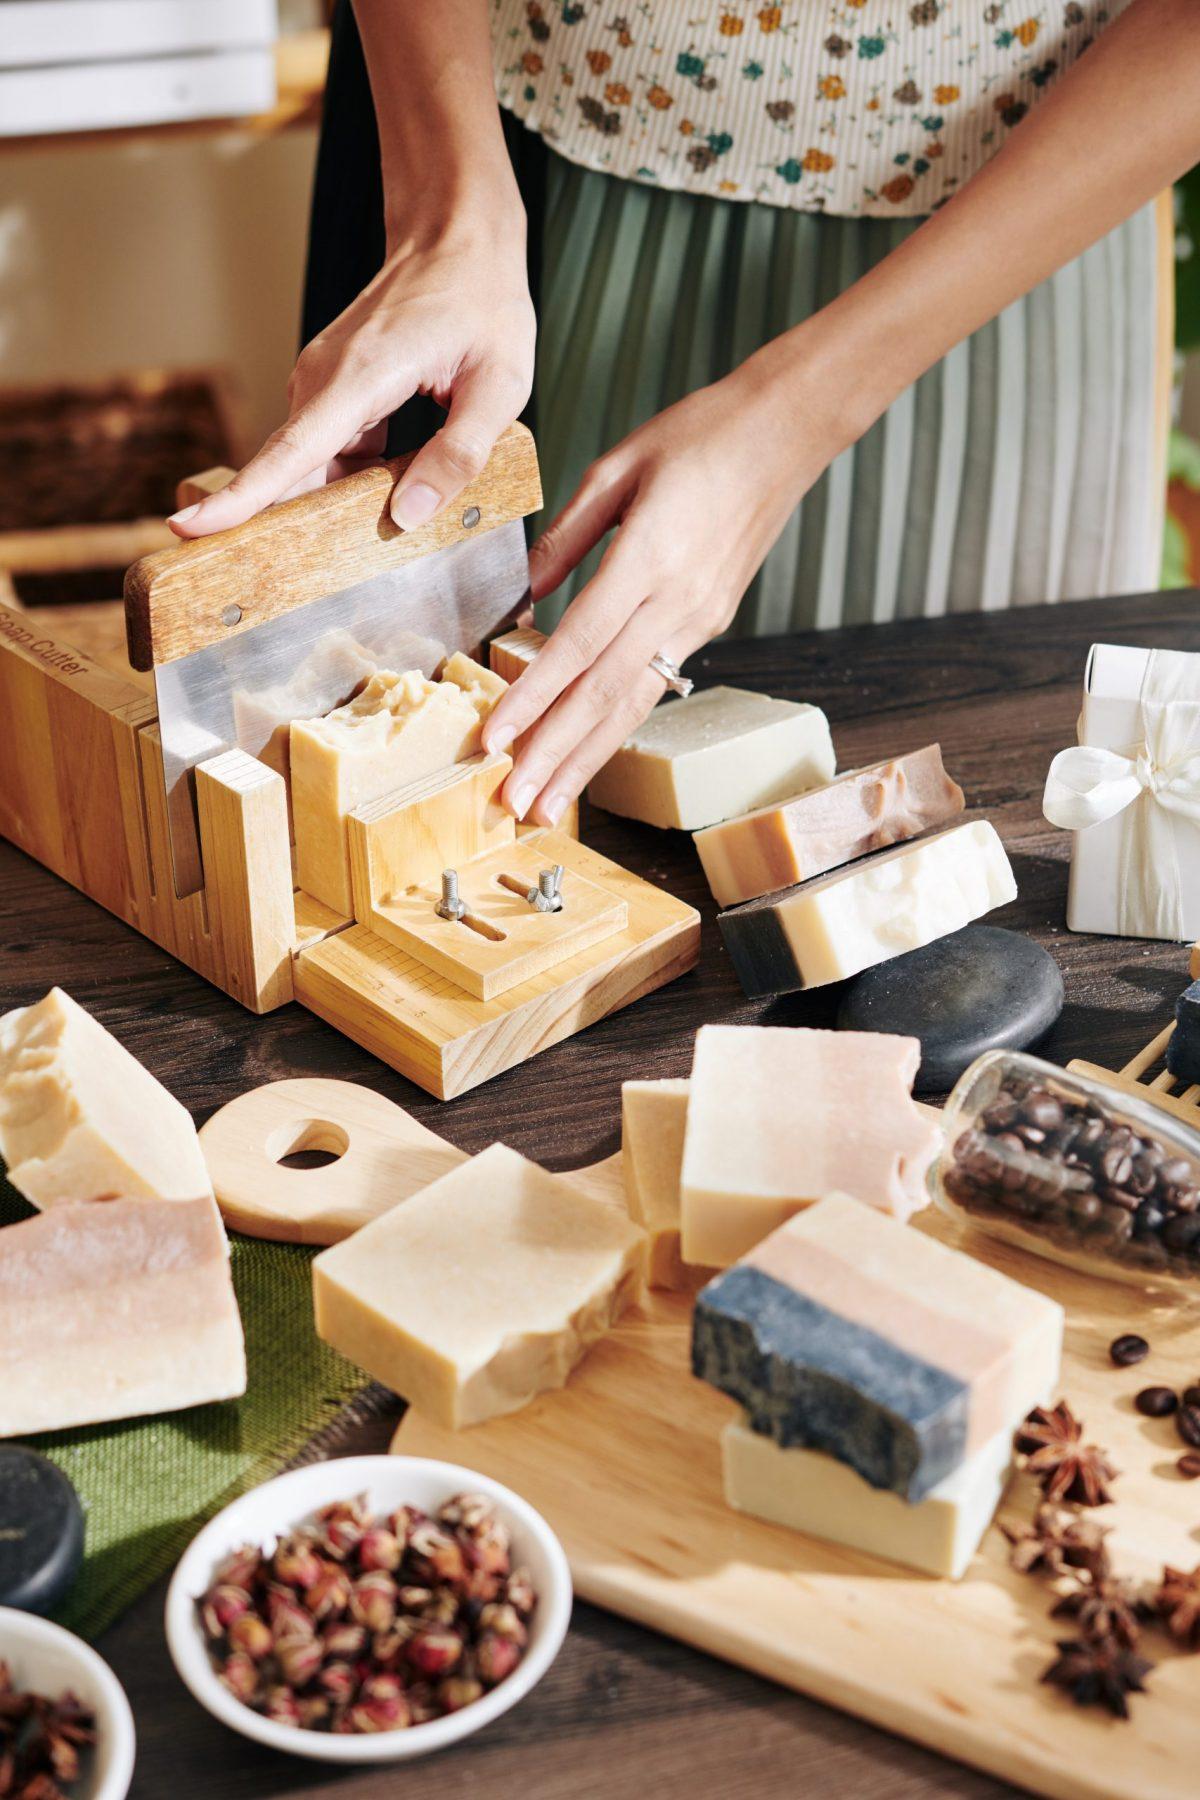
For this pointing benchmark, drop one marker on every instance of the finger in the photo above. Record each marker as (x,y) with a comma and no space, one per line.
(596,505)
(483,404)
(645,690)
(301,448)
(586,629)
(603,692)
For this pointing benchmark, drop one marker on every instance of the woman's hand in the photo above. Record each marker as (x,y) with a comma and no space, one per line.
(699,495)
(448,315)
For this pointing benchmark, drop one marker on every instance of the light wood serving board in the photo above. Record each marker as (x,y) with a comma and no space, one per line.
(625,1464)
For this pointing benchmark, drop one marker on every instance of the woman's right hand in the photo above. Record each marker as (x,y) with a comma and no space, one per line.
(450,315)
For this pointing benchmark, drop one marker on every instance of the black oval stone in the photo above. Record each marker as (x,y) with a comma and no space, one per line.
(981,988)
(41,1531)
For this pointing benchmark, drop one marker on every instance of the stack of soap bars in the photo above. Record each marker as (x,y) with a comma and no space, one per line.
(881,1375)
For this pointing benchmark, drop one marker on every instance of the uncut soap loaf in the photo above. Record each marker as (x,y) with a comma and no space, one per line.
(809,834)
(847,1332)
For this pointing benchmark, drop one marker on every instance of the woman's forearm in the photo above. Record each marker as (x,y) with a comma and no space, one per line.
(441,143)
(1121,125)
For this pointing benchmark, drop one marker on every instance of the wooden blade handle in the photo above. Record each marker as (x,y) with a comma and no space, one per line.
(207,589)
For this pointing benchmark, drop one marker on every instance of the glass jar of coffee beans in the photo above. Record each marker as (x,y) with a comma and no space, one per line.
(1072,1168)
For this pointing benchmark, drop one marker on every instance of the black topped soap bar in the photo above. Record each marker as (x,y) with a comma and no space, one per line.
(1183,1047)
(41,1531)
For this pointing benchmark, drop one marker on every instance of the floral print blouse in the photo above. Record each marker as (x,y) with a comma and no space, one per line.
(842,106)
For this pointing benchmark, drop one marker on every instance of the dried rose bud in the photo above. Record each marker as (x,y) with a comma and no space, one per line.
(221,1606)
(436,1555)
(520,1592)
(505,1621)
(296,1563)
(39,1787)
(422,1703)
(380,1715)
(480,1586)
(435,1651)
(379,1549)
(355,1511)
(380,1687)
(387,1647)
(342,1525)
(252,1635)
(413,1599)
(373,1601)
(240,1568)
(496,1657)
(299,1658)
(442,1608)
(282,1706)
(288,1616)
(344,1640)
(458,1691)
(239,1672)
(338,1680)
(470,1512)
(329,1594)
(401,1522)
(314,1710)
(64,1757)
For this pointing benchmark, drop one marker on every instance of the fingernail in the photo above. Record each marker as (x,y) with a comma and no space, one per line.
(496,741)
(184,514)
(416,504)
(554,808)
(521,798)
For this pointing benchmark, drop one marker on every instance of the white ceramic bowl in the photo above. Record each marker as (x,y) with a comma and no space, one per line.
(267,1512)
(48,1659)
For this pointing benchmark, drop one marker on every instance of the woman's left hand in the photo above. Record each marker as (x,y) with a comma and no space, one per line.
(699,494)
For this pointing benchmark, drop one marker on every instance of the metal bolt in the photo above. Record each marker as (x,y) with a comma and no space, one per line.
(450,905)
(231,614)
(471,518)
(547,895)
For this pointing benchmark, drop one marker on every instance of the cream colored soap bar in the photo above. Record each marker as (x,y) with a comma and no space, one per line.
(808,1491)
(780,1116)
(721,752)
(481,1291)
(81,1119)
(864,810)
(398,729)
(653,1120)
(115,1311)
(833,927)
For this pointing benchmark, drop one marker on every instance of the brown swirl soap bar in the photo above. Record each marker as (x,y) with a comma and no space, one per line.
(863,810)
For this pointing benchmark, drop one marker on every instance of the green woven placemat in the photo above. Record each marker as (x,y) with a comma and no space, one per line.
(148,1484)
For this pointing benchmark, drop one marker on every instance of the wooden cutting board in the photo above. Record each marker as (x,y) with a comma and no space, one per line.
(625,1464)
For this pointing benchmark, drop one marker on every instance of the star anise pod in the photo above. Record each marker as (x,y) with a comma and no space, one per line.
(1058,1540)
(1098,1673)
(1177,1603)
(1105,1608)
(1051,1440)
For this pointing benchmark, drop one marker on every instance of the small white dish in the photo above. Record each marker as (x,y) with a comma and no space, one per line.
(267,1512)
(46,1659)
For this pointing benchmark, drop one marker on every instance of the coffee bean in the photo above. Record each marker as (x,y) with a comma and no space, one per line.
(1085,1210)
(1116,1165)
(1043,1110)
(1128,1349)
(1158,1402)
(1181,1231)
(1001,1113)
(1148,1219)
(1187,1423)
(1189,1465)
(1191,1395)
(1177,1172)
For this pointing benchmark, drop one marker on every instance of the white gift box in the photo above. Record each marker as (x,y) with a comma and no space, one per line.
(1130,791)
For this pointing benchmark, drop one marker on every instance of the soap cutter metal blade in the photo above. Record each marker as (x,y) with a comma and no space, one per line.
(247,680)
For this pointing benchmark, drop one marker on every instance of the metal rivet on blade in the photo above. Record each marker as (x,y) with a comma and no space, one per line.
(471,517)
(231,615)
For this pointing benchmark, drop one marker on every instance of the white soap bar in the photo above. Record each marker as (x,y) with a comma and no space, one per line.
(398,729)
(481,1291)
(779,1116)
(115,1311)
(837,925)
(81,1119)
(808,1491)
(718,753)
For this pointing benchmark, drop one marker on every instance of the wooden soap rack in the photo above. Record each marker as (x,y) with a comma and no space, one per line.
(445,1005)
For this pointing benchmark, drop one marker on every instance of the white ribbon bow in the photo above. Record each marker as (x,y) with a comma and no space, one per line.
(1086,785)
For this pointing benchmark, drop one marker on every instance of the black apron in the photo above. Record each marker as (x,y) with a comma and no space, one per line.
(346,230)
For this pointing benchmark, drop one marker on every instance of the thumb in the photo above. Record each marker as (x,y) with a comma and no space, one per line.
(483,404)
(300,449)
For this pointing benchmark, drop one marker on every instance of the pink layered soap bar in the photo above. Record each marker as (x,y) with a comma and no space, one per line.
(115,1309)
(778,1117)
(793,840)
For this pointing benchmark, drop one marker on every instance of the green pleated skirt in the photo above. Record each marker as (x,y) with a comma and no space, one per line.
(1025,467)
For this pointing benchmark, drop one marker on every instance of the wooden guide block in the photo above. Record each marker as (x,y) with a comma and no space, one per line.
(407,838)
(244,841)
(447,1041)
(315,920)
(501,940)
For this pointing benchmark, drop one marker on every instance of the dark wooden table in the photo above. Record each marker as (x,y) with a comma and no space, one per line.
(625,1712)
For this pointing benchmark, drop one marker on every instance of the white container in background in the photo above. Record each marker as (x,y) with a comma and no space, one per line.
(34,33)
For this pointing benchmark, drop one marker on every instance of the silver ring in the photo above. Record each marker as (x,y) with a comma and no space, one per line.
(672,675)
